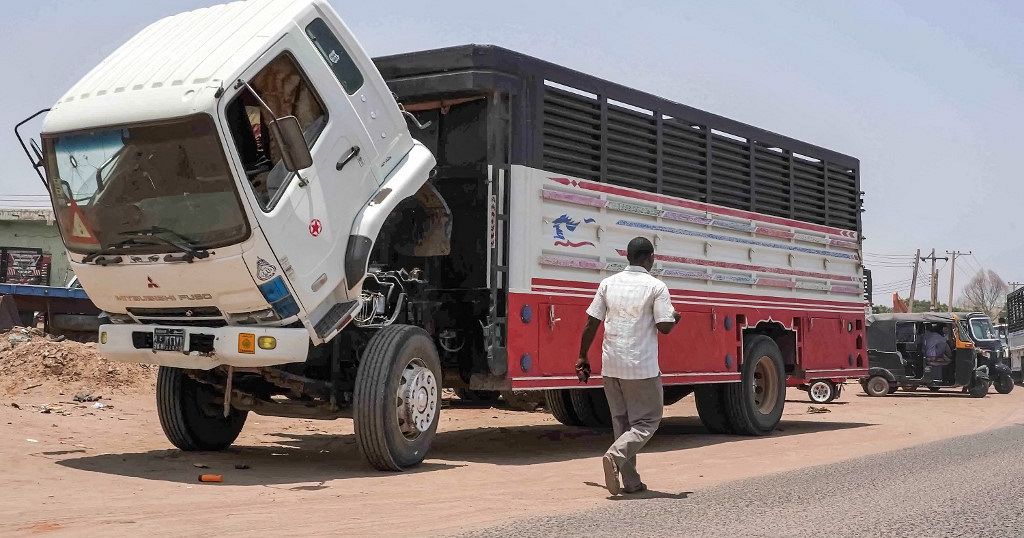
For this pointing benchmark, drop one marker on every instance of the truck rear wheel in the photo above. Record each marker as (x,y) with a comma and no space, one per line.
(591,406)
(397,400)
(710,401)
(559,403)
(192,413)
(754,405)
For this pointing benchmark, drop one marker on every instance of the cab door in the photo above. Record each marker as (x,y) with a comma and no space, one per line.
(306,216)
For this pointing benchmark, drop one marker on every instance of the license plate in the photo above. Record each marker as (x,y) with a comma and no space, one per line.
(168,339)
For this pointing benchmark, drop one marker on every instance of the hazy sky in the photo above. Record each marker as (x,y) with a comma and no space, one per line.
(929,95)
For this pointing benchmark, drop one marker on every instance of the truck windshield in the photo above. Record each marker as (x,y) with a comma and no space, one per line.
(981,329)
(172,175)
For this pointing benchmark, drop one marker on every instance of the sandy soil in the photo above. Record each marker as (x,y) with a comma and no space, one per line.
(81,470)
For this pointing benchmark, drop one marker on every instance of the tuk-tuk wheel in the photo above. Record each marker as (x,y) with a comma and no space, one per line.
(877,386)
(1004,384)
(822,391)
(978,389)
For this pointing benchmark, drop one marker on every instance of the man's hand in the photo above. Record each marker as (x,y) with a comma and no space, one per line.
(583,369)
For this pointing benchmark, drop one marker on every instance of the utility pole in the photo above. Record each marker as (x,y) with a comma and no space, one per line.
(935,280)
(952,273)
(913,281)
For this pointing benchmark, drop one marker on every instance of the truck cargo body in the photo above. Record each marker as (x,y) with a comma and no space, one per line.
(549,173)
(261,216)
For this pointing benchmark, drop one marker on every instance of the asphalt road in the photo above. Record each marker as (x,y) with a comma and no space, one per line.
(964,486)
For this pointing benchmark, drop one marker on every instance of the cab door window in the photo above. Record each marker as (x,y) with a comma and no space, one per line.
(286,91)
(341,64)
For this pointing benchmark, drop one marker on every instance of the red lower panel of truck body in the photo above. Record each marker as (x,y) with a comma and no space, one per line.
(706,346)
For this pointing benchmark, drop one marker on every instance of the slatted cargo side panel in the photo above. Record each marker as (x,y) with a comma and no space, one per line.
(592,137)
(843,196)
(572,134)
(684,165)
(730,173)
(771,175)
(632,143)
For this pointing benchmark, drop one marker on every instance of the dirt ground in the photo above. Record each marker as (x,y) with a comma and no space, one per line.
(78,469)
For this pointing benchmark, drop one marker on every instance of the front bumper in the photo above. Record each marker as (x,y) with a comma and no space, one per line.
(118,344)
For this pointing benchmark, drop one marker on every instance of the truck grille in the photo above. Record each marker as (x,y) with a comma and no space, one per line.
(199,316)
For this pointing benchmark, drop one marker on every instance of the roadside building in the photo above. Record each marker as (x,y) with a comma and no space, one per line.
(31,250)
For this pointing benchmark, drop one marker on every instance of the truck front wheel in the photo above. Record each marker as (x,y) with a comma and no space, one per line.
(754,405)
(192,413)
(397,400)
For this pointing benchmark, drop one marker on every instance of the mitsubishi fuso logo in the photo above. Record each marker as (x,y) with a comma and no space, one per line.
(150,283)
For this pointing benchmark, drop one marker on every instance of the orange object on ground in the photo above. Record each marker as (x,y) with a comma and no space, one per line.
(211,478)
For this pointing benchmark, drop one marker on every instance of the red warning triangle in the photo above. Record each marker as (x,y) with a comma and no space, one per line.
(79,231)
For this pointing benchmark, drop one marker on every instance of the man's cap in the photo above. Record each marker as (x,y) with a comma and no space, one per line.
(639,246)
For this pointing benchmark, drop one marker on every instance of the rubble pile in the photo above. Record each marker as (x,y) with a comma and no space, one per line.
(29,359)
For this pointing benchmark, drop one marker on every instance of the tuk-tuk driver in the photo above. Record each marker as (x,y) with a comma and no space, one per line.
(936,350)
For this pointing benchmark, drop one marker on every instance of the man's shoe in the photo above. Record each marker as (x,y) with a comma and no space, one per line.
(611,475)
(638,489)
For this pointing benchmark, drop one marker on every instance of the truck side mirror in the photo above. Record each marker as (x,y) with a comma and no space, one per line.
(294,151)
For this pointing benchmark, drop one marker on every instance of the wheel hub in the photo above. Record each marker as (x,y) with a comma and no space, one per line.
(417,399)
(765,386)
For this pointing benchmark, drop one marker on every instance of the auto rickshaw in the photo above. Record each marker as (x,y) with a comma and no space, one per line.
(896,359)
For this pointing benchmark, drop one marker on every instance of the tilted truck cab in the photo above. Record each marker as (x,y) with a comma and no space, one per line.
(257,213)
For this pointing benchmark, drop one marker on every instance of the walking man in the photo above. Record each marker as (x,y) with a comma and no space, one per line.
(634,307)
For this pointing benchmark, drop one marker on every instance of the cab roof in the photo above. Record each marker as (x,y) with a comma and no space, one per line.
(175,66)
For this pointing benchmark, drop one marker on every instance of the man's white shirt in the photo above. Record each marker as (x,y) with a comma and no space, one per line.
(630,303)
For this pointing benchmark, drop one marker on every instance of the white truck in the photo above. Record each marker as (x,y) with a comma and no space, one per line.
(243,196)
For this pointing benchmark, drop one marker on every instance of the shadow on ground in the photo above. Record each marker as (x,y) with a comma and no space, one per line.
(315,458)
(945,393)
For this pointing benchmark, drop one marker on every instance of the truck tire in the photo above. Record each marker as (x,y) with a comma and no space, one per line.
(754,405)
(192,413)
(710,401)
(1004,384)
(397,398)
(559,403)
(591,406)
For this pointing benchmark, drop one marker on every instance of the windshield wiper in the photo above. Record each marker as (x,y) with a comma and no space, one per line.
(171,238)
(112,249)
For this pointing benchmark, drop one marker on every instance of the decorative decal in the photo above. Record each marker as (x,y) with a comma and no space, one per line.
(264,270)
(570,226)
(315,227)
(150,283)
(681,231)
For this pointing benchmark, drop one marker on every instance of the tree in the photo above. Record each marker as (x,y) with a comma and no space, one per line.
(985,292)
(880,309)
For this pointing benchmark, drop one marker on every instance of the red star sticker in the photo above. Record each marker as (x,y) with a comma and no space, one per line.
(315,227)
